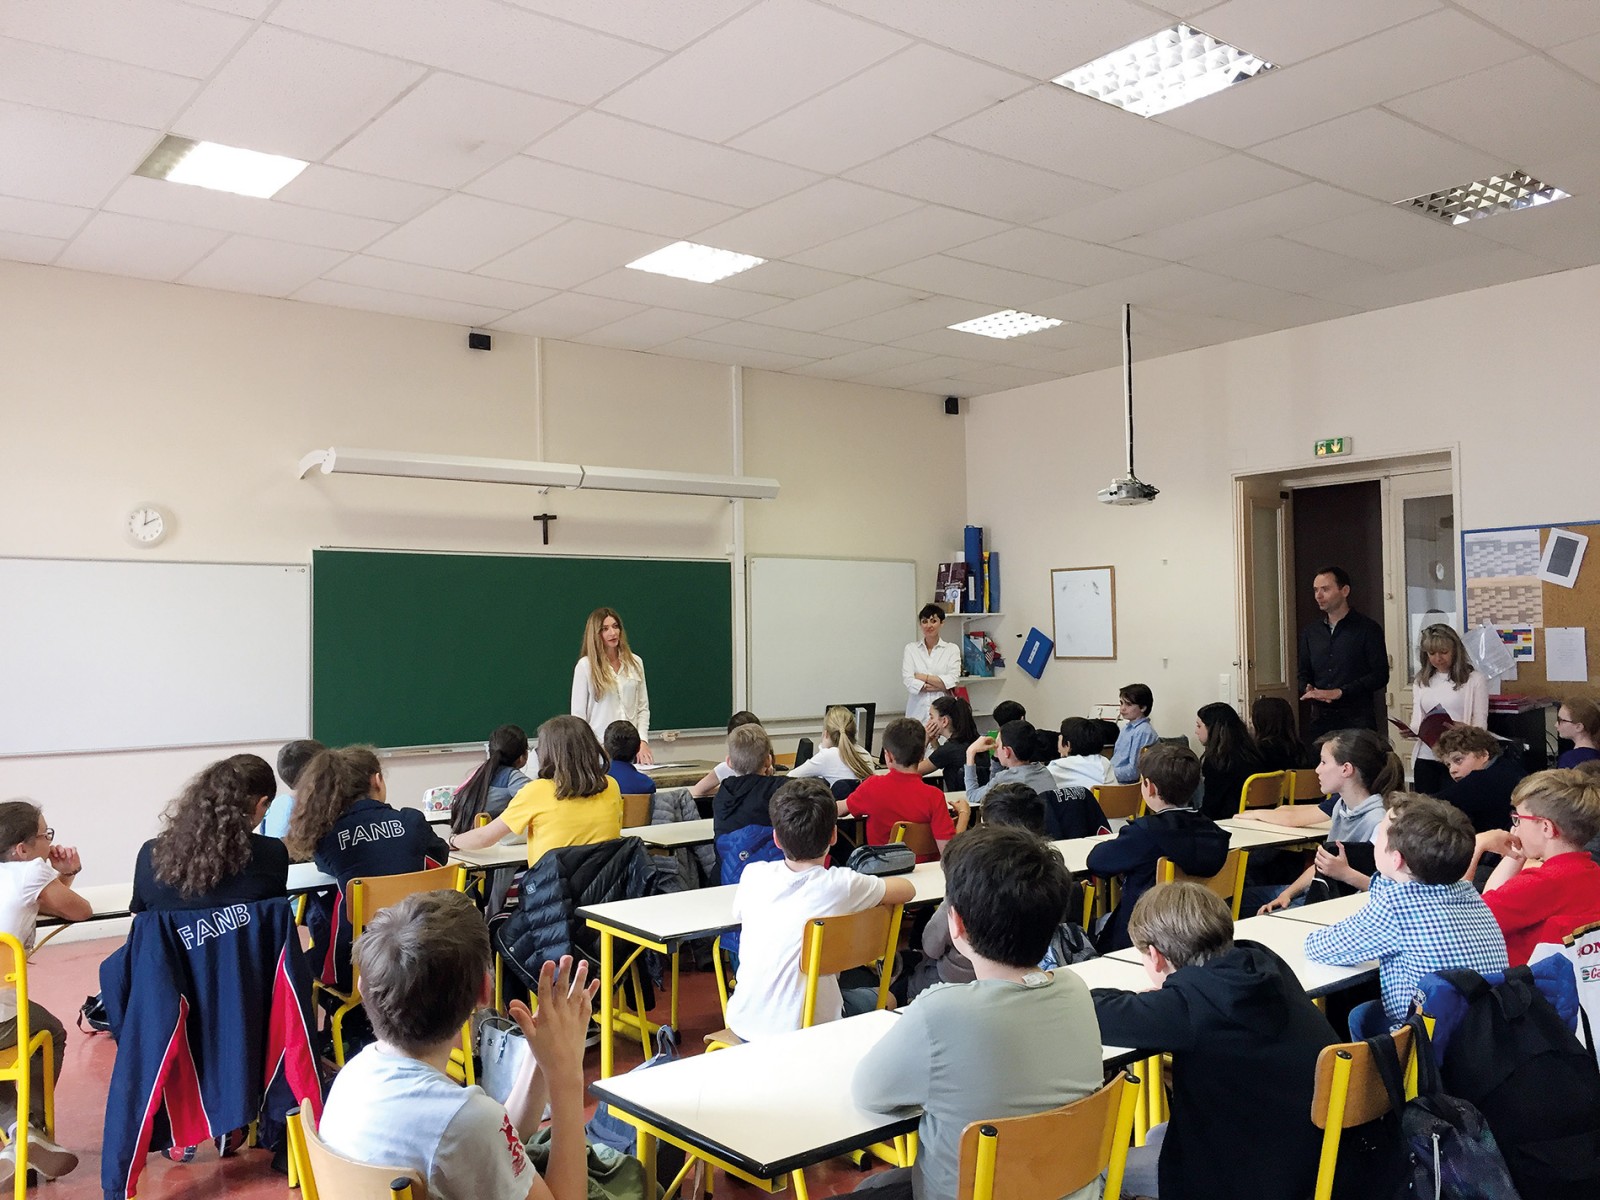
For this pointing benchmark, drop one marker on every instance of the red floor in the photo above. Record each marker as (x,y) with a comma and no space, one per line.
(60,976)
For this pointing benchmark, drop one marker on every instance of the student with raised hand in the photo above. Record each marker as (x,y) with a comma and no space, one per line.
(1272,724)
(1081,764)
(498,778)
(1021,752)
(1482,775)
(840,758)
(36,876)
(951,729)
(1244,1039)
(1578,720)
(1134,704)
(706,787)
(573,802)
(292,759)
(1447,680)
(608,681)
(1013,1042)
(1228,757)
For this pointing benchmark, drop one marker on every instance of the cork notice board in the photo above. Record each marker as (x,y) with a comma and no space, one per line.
(1502,587)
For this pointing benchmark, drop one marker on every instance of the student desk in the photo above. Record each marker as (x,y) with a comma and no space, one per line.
(1286,937)
(1284,834)
(669,835)
(1328,912)
(681,773)
(1248,836)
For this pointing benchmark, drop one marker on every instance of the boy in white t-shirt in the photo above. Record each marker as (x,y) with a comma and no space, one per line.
(776,899)
(424,967)
(35,876)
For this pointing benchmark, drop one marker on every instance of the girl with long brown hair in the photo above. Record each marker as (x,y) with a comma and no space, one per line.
(608,681)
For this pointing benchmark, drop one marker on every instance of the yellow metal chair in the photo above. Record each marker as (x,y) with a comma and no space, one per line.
(1264,790)
(1119,799)
(16,1060)
(1301,785)
(319,1169)
(1053,1153)
(367,896)
(1350,1092)
(1227,883)
(919,836)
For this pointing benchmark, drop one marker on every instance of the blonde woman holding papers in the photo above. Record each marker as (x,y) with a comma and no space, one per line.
(1445,681)
(929,668)
(608,682)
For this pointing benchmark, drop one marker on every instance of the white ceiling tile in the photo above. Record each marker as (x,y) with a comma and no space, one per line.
(707,299)
(394,276)
(479,38)
(764,61)
(552,187)
(1083,359)
(242,8)
(182,204)
(1567,233)
(41,219)
(28,248)
(908,320)
(1279,263)
(650,328)
(970,346)
(820,213)
(573,253)
(1544,23)
(927,367)
(743,356)
(162,34)
(669,24)
(786,279)
(1582,55)
(1269,307)
(927,230)
(1000,376)
(1062,131)
(1289,31)
(68,159)
(286,93)
(1389,237)
(1164,325)
(462,232)
(784,341)
(1101,302)
(1379,155)
(848,302)
(119,245)
(358,195)
(399,304)
(1054,257)
(1440,46)
(261,267)
(957,277)
(46,77)
(1527,112)
(863,362)
(566,315)
(1441,279)
(609,145)
(916,92)
(1034,37)
(448,130)
(961,177)
(1280,212)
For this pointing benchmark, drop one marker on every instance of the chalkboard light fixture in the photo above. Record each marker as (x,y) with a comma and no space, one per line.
(340,460)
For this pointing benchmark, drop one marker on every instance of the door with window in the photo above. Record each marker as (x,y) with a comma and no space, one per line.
(1421,545)
(1267,667)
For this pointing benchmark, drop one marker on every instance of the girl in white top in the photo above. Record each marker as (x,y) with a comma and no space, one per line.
(608,682)
(1445,679)
(840,758)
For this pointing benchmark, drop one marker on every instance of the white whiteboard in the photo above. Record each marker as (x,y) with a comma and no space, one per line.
(114,655)
(1084,609)
(828,631)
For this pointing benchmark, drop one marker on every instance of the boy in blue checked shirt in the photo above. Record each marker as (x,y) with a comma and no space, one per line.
(1420,916)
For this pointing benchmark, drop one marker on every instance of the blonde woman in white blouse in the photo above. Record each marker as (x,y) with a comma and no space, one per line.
(1445,679)
(608,682)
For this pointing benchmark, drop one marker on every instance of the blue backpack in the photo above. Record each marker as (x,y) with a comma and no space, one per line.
(735,851)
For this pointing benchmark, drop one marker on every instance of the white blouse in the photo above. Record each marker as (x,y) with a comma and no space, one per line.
(827,764)
(1468,704)
(944,660)
(628,701)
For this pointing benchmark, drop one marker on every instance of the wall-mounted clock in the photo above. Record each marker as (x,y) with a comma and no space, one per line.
(147,525)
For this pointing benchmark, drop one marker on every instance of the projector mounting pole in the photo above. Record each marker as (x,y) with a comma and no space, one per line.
(1127,376)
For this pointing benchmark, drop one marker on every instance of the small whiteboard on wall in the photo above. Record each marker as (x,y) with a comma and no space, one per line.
(1084,605)
(119,655)
(828,631)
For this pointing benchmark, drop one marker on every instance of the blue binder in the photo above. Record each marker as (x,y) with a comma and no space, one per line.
(1035,653)
(972,599)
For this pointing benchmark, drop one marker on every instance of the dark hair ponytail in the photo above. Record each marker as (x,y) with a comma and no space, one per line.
(507,745)
(1376,764)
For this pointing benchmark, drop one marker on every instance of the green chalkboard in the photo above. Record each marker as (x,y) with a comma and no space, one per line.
(411,649)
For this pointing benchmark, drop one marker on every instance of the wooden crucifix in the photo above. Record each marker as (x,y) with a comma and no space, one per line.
(544,520)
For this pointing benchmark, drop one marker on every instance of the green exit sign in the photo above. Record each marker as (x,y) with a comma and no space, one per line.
(1332,447)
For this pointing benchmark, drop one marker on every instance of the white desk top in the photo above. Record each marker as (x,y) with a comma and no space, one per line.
(1329,912)
(112,900)
(1245,836)
(1283,833)
(1287,939)
(501,854)
(671,834)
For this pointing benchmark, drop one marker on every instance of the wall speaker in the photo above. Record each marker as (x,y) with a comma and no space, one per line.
(477,341)
(952,406)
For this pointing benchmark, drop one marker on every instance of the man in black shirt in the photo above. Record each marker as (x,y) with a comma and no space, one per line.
(1343,661)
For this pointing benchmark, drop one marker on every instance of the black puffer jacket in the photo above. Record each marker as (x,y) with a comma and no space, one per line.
(546,925)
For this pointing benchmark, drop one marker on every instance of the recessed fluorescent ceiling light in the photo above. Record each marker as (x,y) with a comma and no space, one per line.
(221,168)
(1498,193)
(697,263)
(1174,67)
(1008,324)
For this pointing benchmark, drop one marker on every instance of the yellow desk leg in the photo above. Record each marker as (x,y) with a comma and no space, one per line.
(674,997)
(608,988)
(646,1147)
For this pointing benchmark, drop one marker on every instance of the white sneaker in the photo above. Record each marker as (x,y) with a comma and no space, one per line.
(8,1166)
(49,1159)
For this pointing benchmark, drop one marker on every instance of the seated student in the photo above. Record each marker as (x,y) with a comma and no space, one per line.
(572,803)
(1591,769)
(1021,752)
(901,795)
(1135,702)
(1171,829)
(1244,1039)
(206,855)
(840,758)
(1007,711)
(1579,720)
(1482,777)
(622,748)
(745,796)
(1557,814)
(1421,916)
(773,904)
(1014,1041)
(1081,764)
(424,970)
(1273,724)
(292,759)
(35,877)
(706,787)
(951,730)
(499,777)
(1228,757)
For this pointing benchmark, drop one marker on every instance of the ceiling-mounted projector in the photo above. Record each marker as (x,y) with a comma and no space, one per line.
(1129,488)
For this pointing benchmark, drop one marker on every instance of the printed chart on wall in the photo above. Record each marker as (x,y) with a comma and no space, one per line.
(1530,584)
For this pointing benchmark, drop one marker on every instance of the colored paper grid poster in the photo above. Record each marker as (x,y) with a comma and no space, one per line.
(1502,570)
(1519,640)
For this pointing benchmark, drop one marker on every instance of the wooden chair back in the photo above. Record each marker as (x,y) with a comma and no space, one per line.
(1053,1153)
(1262,790)
(635,809)
(1348,1092)
(1301,785)
(1227,883)
(784,760)
(322,1172)
(1119,799)
(371,894)
(919,836)
(835,944)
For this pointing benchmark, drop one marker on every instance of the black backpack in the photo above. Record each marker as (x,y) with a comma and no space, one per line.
(1515,1060)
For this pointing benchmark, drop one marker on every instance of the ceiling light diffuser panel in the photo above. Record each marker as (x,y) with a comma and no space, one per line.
(220,168)
(696,263)
(1484,198)
(1165,71)
(1007,324)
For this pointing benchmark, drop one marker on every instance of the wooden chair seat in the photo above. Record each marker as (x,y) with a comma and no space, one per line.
(722,1039)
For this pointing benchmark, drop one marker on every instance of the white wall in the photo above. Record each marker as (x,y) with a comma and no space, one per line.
(115,391)
(1506,373)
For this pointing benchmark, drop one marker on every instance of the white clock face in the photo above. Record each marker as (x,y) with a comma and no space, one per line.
(147,525)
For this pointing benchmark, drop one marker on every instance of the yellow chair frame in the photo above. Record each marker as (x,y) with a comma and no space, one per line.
(1120,799)
(1262,790)
(1227,883)
(314,1165)
(16,1060)
(1301,785)
(1349,1092)
(919,836)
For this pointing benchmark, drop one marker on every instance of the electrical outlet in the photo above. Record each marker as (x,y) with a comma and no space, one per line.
(1225,686)
(670,735)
